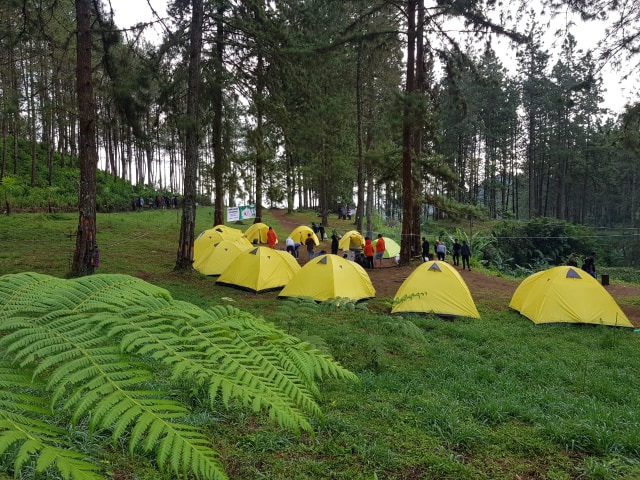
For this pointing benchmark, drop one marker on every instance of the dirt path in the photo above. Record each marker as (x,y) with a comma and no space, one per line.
(494,290)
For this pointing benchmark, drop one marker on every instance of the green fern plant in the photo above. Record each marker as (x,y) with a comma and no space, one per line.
(91,347)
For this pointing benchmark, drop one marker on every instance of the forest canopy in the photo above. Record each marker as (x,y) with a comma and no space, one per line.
(320,104)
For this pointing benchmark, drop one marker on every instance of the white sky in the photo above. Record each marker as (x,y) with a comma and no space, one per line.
(617,94)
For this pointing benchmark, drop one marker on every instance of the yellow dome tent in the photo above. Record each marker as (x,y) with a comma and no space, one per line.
(257,233)
(299,234)
(352,240)
(205,241)
(435,287)
(218,257)
(290,259)
(330,276)
(259,269)
(566,295)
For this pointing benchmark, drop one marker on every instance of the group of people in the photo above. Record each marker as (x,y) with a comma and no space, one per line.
(372,252)
(158,202)
(367,257)
(345,213)
(461,251)
(589,264)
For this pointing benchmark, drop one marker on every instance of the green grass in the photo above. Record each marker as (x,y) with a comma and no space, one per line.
(496,398)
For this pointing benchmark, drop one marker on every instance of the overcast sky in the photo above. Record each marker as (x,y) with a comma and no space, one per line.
(130,12)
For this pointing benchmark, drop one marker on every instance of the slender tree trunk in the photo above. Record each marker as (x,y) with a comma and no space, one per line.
(86,242)
(361,165)
(418,130)
(184,259)
(407,143)
(218,89)
(259,136)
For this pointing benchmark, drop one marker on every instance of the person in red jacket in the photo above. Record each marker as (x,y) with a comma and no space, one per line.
(380,248)
(368,251)
(272,238)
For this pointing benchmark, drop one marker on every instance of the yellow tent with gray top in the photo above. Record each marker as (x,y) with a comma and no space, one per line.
(435,287)
(566,295)
(259,269)
(330,276)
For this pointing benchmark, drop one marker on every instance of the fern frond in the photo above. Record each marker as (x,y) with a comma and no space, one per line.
(404,327)
(20,424)
(69,463)
(99,339)
(17,292)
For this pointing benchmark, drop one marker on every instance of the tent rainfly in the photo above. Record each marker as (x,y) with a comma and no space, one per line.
(435,287)
(566,295)
(259,269)
(330,276)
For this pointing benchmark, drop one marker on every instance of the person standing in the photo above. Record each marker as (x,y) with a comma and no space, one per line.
(311,245)
(334,243)
(425,249)
(441,250)
(465,250)
(380,248)
(291,245)
(368,252)
(589,265)
(272,238)
(456,252)
(321,232)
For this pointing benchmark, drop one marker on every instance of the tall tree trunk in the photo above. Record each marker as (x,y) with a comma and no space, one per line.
(259,136)
(216,127)
(86,242)
(361,165)
(184,260)
(418,130)
(407,144)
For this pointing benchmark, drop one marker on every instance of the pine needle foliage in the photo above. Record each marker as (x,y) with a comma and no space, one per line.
(86,351)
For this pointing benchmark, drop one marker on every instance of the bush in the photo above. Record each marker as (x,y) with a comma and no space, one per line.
(540,242)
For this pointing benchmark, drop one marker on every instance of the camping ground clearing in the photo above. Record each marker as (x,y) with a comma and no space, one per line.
(497,397)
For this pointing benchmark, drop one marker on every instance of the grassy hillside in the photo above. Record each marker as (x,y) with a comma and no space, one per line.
(496,398)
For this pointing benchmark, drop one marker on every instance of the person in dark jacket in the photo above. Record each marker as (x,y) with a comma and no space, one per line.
(465,251)
(425,249)
(334,244)
(456,252)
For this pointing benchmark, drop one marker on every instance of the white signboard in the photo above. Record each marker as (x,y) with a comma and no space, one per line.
(241,213)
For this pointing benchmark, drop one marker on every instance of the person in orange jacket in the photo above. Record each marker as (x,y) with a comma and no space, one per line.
(380,248)
(368,251)
(272,238)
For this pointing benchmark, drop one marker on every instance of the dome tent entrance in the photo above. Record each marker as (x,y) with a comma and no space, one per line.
(352,240)
(259,269)
(257,233)
(330,276)
(299,234)
(435,287)
(566,295)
